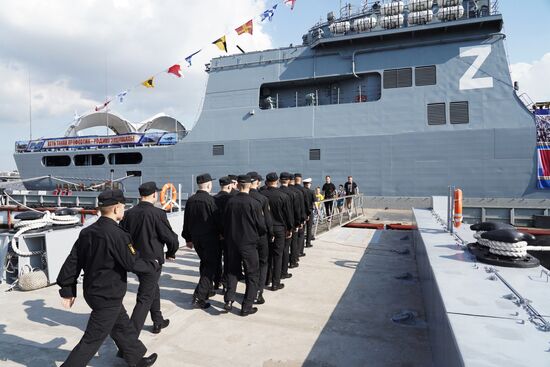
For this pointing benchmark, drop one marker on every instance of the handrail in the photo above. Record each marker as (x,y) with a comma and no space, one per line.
(337,216)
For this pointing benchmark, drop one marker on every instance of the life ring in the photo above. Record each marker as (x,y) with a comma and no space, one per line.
(360,98)
(458,208)
(167,204)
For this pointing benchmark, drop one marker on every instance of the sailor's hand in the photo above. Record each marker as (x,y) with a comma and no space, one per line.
(170,258)
(68,302)
(288,234)
(189,244)
(273,239)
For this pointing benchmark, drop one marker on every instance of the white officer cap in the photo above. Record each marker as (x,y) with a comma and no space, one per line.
(308,180)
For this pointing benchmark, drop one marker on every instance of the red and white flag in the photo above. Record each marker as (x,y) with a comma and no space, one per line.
(175,69)
(102,106)
(290,3)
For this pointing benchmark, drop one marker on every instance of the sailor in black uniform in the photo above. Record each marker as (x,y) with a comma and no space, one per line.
(308,207)
(281,214)
(104,251)
(309,223)
(243,226)
(201,230)
(221,199)
(263,243)
(294,213)
(150,231)
(299,203)
(233,179)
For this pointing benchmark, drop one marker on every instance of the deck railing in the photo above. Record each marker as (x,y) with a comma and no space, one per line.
(337,212)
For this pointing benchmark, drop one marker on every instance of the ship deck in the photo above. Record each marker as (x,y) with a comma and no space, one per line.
(335,311)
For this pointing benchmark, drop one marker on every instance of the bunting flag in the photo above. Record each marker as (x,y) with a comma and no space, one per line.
(102,106)
(122,95)
(245,28)
(175,69)
(221,43)
(290,3)
(268,14)
(148,83)
(188,58)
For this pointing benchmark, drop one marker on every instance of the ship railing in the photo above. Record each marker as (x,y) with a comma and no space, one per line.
(333,212)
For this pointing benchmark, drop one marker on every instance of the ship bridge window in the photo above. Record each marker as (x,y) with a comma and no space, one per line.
(321,91)
(425,75)
(398,78)
(56,161)
(458,113)
(437,114)
(89,160)
(315,154)
(125,158)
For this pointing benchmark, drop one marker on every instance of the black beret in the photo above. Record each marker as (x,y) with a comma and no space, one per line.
(244,179)
(147,188)
(284,176)
(232,177)
(110,197)
(224,181)
(271,177)
(204,178)
(296,175)
(255,176)
(291,176)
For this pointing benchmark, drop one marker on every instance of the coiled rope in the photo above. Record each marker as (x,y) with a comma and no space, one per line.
(28,225)
(509,249)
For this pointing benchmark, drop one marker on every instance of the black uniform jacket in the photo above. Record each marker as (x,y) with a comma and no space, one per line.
(264,202)
(221,199)
(302,202)
(309,197)
(281,208)
(106,254)
(243,220)
(201,216)
(295,201)
(150,230)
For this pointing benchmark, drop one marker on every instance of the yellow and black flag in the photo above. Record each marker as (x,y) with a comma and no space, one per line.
(148,83)
(221,43)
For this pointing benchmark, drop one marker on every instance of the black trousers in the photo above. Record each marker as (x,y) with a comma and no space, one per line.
(275,260)
(219,278)
(286,254)
(263,257)
(301,240)
(294,247)
(207,247)
(248,253)
(104,321)
(328,208)
(309,229)
(147,300)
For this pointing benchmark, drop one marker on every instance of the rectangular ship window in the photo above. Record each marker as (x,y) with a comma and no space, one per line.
(315,154)
(89,160)
(125,158)
(398,78)
(56,161)
(425,75)
(218,150)
(390,79)
(458,112)
(436,114)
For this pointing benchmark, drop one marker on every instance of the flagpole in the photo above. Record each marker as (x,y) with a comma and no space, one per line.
(30,107)
(106,97)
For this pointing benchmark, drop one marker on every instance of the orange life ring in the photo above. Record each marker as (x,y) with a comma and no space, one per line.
(168,203)
(360,98)
(458,208)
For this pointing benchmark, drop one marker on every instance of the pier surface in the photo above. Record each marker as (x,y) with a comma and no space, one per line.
(336,310)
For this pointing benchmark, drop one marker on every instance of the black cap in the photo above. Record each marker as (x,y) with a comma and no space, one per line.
(296,175)
(110,197)
(147,188)
(284,176)
(232,177)
(271,177)
(204,178)
(291,176)
(224,181)
(244,179)
(255,176)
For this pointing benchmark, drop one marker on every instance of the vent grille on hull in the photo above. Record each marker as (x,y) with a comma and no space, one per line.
(459,113)
(436,114)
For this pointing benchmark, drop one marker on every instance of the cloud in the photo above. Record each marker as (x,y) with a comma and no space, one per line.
(533,78)
(80,51)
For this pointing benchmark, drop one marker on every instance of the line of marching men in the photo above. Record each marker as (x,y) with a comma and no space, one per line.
(259,230)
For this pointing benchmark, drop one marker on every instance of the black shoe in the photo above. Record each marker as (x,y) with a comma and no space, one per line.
(292,266)
(309,245)
(211,294)
(286,276)
(302,254)
(146,361)
(217,286)
(313,239)
(260,300)
(277,287)
(253,310)
(199,303)
(158,327)
(228,306)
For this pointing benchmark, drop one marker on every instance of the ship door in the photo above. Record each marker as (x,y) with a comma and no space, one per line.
(335,93)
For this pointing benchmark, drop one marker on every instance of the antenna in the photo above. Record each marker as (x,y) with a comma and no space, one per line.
(106,98)
(30,107)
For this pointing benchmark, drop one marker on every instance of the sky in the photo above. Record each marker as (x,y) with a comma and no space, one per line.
(75,53)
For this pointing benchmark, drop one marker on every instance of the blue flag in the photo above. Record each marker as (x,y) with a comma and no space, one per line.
(269,13)
(188,58)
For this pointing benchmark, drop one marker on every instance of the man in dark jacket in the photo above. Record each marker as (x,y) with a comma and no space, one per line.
(297,200)
(329,191)
(104,251)
(201,230)
(308,209)
(309,223)
(150,231)
(243,226)
(263,244)
(221,199)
